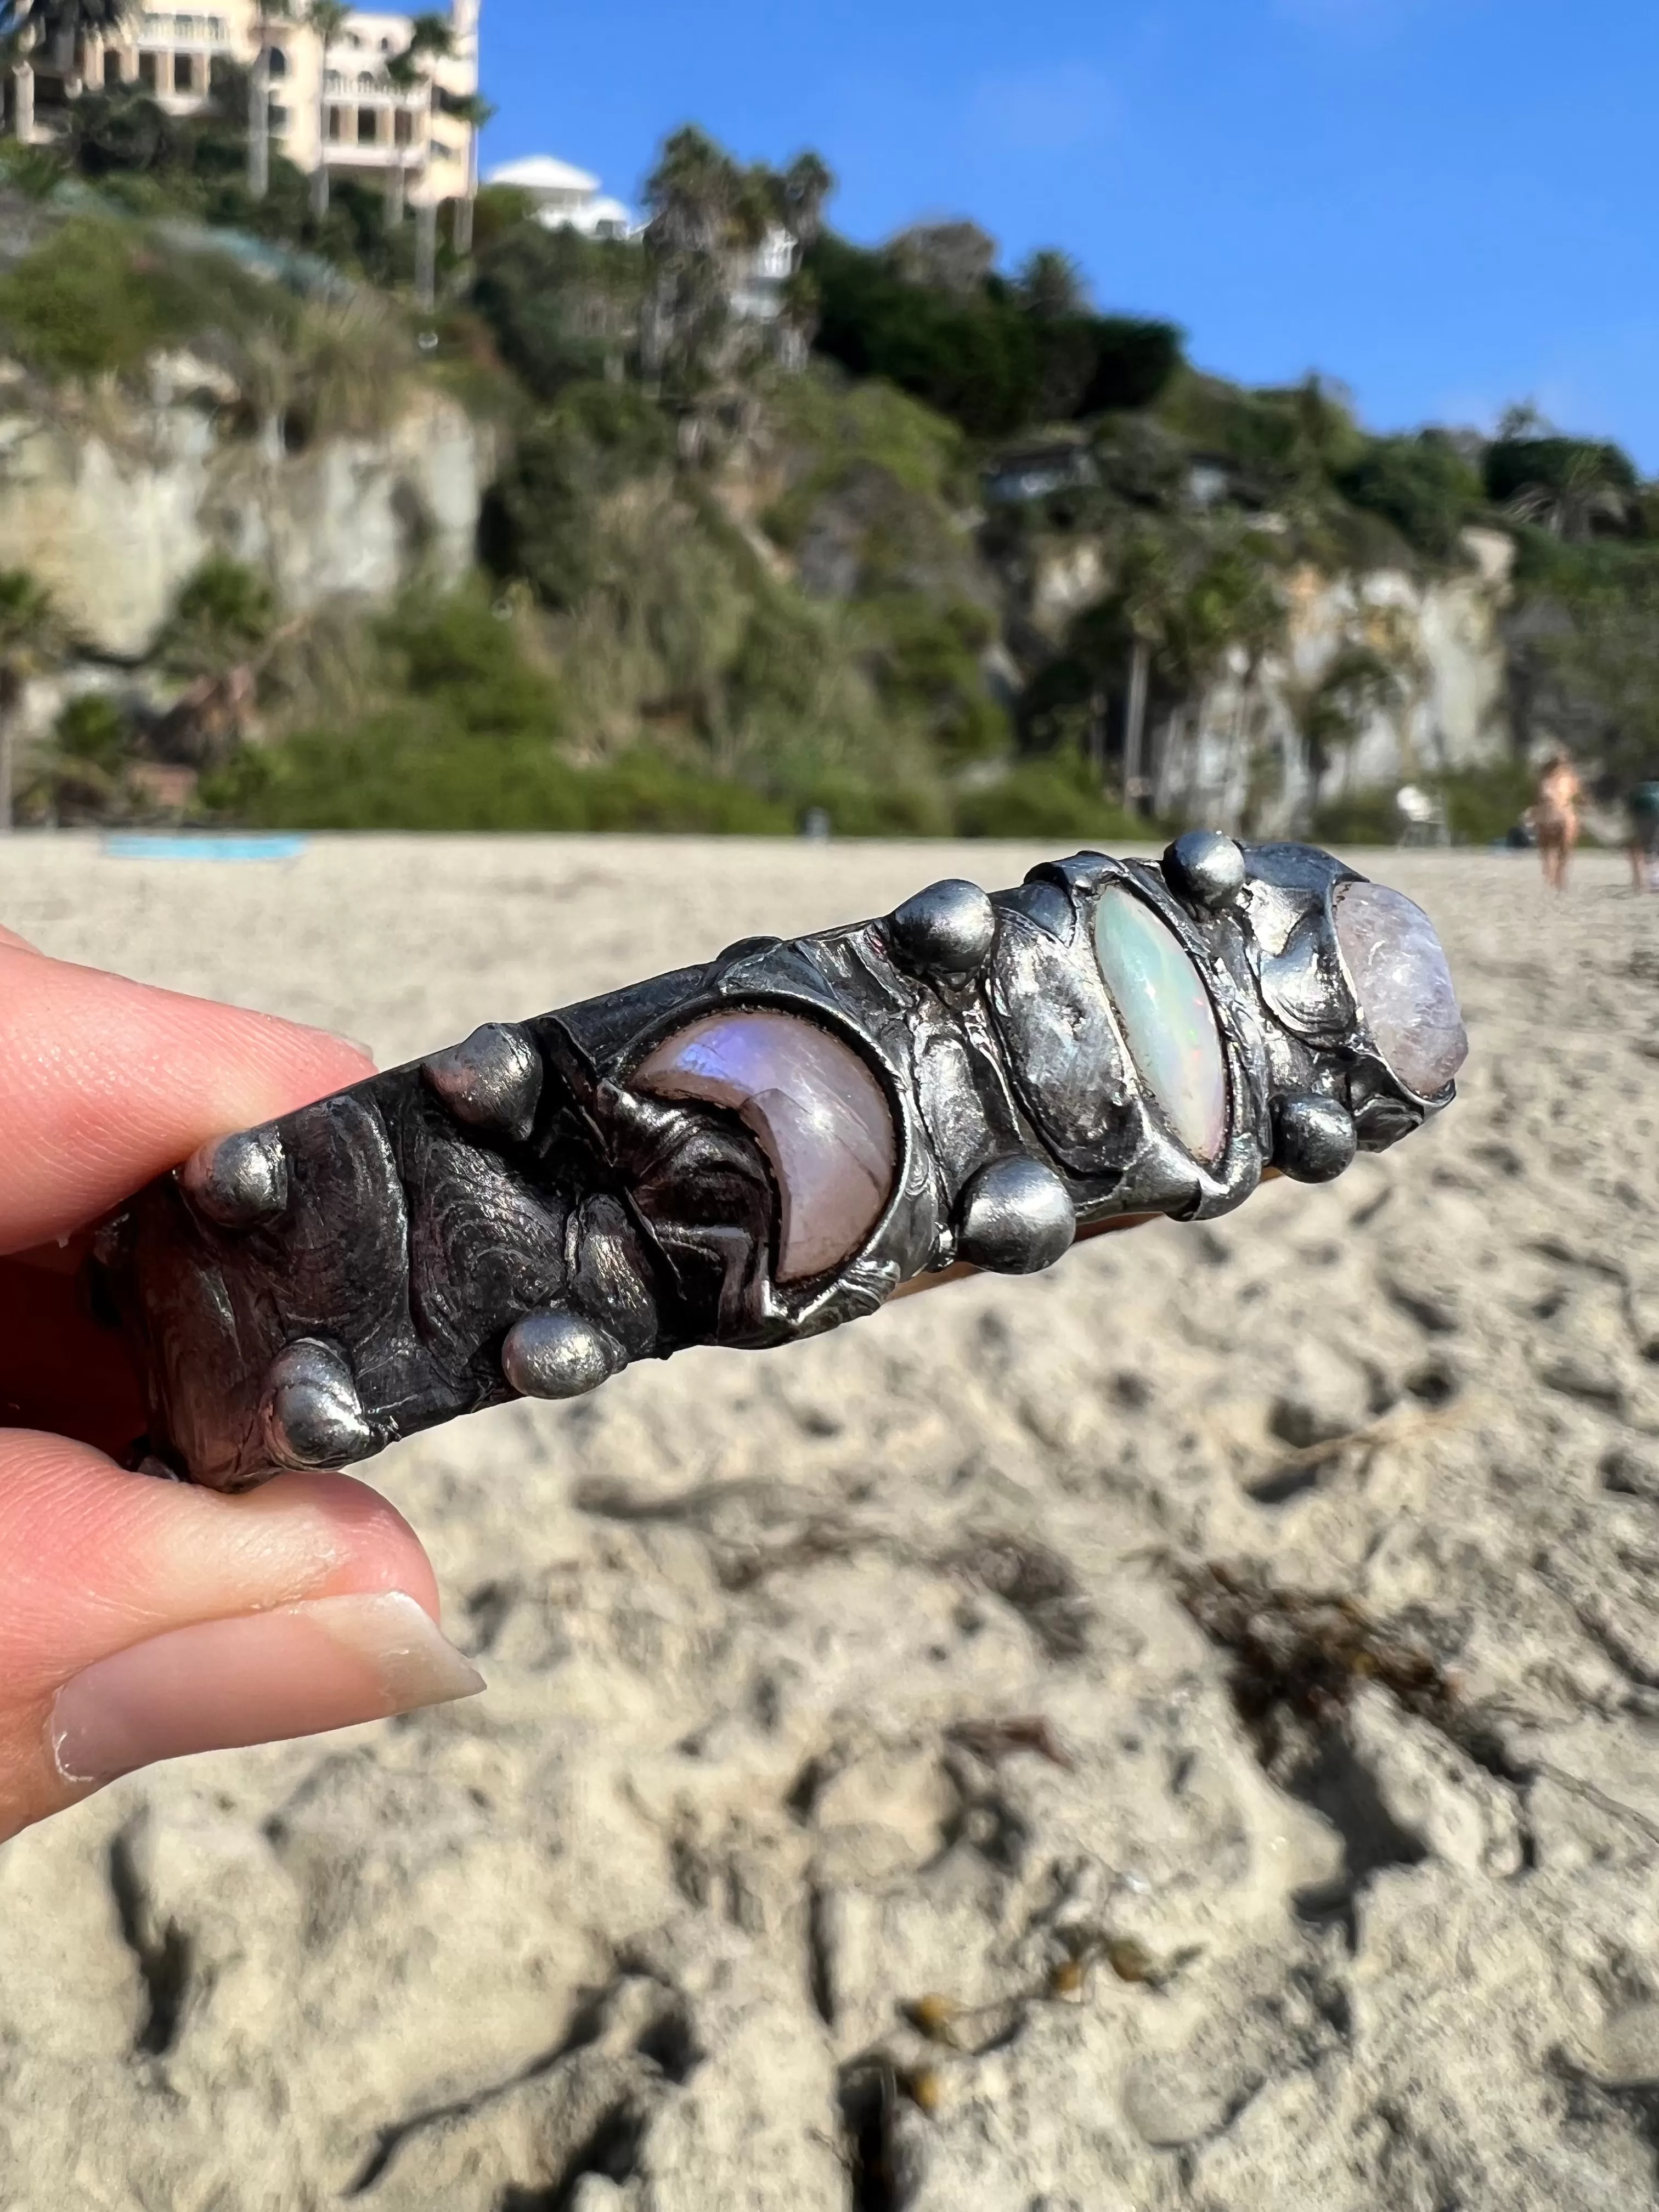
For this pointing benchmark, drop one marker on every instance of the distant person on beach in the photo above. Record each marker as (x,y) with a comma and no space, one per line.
(1643,807)
(1553,815)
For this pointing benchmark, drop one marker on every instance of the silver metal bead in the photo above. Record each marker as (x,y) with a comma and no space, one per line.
(1205,867)
(1313,1138)
(946,930)
(492,1080)
(238,1182)
(1016,1217)
(309,1411)
(559,1354)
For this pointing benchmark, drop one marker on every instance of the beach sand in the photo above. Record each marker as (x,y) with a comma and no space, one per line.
(636,1931)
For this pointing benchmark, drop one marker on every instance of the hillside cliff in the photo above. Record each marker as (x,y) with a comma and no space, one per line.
(583,547)
(114,500)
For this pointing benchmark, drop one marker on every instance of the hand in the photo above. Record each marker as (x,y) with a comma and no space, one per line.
(139,1619)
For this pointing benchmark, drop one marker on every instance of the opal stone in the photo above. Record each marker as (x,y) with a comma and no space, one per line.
(819,1115)
(1402,985)
(1167,1022)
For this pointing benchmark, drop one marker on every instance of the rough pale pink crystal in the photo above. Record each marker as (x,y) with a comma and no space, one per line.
(1402,984)
(818,1113)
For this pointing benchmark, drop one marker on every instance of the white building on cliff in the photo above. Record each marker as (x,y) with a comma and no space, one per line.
(337,106)
(566,197)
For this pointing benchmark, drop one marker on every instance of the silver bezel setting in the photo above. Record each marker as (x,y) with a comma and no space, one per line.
(514,1214)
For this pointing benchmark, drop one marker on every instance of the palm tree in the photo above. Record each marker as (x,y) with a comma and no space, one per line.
(325,20)
(1198,605)
(27,25)
(430,38)
(17,38)
(706,212)
(67,23)
(31,635)
(1154,591)
(259,113)
(1051,286)
(474,111)
(1584,493)
(802,191)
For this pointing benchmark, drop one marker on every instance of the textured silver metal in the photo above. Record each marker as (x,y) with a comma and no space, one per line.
(946,930)
(1017,1219)
(1207,867)
(238,1180)
(310,1414)
(518,1215)
(1314,1138)
(492,1081)
(557,1354)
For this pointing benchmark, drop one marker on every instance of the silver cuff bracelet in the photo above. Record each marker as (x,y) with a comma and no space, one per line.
(756,1149)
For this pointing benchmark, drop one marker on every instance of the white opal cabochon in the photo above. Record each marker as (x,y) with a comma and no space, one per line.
(1402,985)
(819,1115)
(1167,1022)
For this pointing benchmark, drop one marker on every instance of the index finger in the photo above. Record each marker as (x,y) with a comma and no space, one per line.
(104,1082)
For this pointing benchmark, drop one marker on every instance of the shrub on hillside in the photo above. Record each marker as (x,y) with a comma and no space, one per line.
(394,773)
(1513,463)
(81,775)
(925,657)
(979,356)
(541,518)
(224,613)
(1274,438)
(95,299)
(824,425)
(562,307)
(1576,489)
(1059,796)
(1423,485)
(460,660)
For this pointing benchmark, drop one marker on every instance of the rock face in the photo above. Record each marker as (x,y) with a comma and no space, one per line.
(114,513)
(857,1815)
(1440,702)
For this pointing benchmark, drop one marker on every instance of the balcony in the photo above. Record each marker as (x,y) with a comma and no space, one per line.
(375,92)
(204,31)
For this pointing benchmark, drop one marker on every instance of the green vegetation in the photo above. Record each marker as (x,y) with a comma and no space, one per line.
(224,615)
(85,772)
(31,637)
(462,730)
(1424,486)
(545,520)
(97,298)
(1482,805)
(987,355)
(938,546)
(561,308)
(1058,796)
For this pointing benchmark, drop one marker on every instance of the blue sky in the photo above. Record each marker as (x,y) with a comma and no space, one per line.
(1447,204)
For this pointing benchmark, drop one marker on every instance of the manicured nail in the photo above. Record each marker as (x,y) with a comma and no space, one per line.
(257,1679)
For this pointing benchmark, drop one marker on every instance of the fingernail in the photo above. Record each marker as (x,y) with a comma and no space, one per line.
(257,1679)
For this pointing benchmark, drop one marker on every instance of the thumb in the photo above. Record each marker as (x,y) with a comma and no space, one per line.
(142,1620)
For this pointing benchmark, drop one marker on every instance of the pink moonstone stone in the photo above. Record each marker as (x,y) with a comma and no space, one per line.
(1401,984)
(819,1115)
